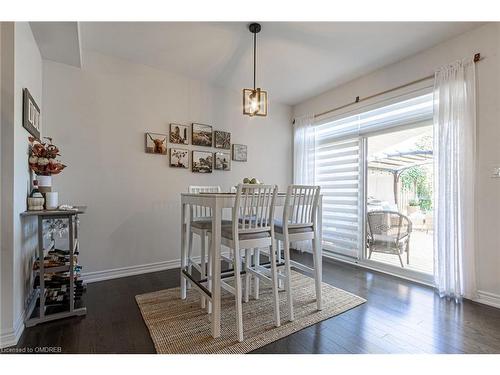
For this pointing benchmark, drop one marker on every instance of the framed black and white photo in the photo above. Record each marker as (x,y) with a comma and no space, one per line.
(179,158)
(222,161)
(201,135)
(31,114)
(222,139)
(202,162)
(239,152)
(156,143)
(178,134)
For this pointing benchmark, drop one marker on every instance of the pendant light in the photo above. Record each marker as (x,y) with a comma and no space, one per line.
(254,100)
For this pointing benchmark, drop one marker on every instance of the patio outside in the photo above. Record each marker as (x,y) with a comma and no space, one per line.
(400,183)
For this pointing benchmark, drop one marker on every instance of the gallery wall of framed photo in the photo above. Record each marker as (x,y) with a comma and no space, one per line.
(200,159)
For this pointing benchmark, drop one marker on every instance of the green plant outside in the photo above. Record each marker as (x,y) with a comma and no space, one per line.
(416,178)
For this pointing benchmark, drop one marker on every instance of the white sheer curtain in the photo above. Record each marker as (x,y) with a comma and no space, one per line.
(304,150)
(455,159)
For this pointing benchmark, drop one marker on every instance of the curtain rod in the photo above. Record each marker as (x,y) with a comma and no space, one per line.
(477,57)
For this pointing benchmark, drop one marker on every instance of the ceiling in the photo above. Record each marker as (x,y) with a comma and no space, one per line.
(296,60)
(58,41)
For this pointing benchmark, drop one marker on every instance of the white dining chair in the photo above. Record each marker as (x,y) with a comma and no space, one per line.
(251,227)
(300,223)
(200,223)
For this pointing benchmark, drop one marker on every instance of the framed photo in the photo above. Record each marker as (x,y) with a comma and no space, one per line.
(222,139)
(156,143)
(202,135)
(222,161)
(202,162)
(179,158)
(31,115)
(239,152)
(178,134)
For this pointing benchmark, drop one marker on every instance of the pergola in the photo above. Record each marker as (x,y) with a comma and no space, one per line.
(397,162)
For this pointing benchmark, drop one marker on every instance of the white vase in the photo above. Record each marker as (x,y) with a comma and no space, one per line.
(44,183)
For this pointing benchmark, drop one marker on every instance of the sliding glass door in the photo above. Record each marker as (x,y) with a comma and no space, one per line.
(375,161)
(399,203)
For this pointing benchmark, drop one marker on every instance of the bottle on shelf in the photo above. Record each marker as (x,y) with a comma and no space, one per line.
(36,200)
(35,193)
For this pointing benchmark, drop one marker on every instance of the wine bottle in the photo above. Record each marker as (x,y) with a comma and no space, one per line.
(35,193)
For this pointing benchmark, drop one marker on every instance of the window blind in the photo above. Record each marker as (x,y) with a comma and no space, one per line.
(337,171)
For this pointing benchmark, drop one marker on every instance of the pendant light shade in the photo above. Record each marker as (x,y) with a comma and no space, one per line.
(254,102)
(255,99)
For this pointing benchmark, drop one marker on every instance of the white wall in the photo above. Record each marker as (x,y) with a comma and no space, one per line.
(7,186)
(21,68)
(98,116)
(486,41)
(28,73)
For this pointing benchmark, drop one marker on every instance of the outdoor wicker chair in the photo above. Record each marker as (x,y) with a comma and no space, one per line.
(389,233)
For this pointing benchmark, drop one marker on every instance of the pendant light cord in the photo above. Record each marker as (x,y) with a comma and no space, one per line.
(254,56)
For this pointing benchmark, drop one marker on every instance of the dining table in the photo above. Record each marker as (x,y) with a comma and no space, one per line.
(217,202)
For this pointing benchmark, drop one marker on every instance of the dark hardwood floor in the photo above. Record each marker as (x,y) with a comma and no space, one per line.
(399,317)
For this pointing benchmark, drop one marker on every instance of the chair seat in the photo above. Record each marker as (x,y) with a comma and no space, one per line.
(227,232)
(207,223)
(278,228)
(387,244)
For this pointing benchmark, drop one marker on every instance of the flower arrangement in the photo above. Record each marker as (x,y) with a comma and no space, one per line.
(42,158)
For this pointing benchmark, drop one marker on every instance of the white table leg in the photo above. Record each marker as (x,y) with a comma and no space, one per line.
(256,252)
(183,249)
(318,255)
(216,287)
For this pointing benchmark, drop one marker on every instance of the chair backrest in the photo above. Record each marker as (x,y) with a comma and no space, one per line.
(388,223)
(254,208)
(200,212)
(301,206)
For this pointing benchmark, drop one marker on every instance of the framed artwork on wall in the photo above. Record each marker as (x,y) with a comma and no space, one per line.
(222,161)
(31,114)
(222,139)
(178,134)
(239,152)
(156,143)
(179,158)
(202,162)
(201,135)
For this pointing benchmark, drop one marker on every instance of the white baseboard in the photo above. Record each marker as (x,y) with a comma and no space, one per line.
(90,277)
(487,298)
(12,336)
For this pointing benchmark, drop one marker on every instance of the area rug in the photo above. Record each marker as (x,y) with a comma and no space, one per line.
(181,326)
